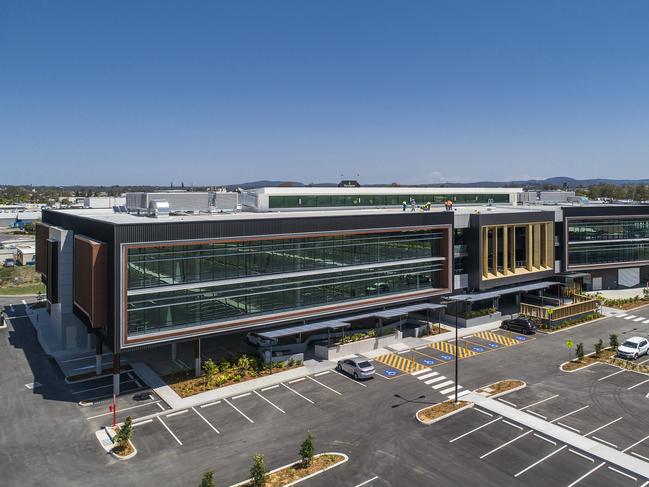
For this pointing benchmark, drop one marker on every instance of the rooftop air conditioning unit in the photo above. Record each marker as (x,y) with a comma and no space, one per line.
(159,208)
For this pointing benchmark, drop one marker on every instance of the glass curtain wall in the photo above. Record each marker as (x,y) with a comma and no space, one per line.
(260,277)
(329,201)
(587,230)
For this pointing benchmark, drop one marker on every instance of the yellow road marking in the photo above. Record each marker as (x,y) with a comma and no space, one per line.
(494,337)
(399,362)
(449,348)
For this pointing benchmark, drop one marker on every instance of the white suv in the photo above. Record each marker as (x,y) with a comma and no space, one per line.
(633,347)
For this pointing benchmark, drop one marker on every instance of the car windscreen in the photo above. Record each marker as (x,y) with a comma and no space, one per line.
(630,344)
(364,365)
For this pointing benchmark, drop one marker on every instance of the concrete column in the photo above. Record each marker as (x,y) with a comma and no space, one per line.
(197,357)
(98,353)
(495,251)
(505,251)
(116,372)
(173,351)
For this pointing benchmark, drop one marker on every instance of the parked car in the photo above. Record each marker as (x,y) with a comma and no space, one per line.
(519,325)
(258,341)
(10,262)
(633,347)
(358,368)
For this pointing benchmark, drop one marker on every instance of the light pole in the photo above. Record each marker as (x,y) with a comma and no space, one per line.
(456,350)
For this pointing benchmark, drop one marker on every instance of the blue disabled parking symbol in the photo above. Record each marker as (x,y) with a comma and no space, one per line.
(520,338)
(494,345)
(447,357)
(390,372)
(478,349)
(428,361)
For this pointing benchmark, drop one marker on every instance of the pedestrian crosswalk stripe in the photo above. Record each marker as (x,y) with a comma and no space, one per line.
(495,337)
(645,322)
(417,372)
(449,348)
(622,315)
(639,319)
(399,362)
(446,391)
(630,317)
(426,376)
(459,394)
(442,384)
(435,379)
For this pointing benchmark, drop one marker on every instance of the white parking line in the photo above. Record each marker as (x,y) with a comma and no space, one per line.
(169,430)
(350,379)
(293,390)
(643,362)
(271,403)
(587,474)
(635,444)
(177,413)
(238,410)
(508,403)
(569,414)
(208,423)
(138,423)
(622,473)
(611,375)
(575,452)
(640,456)
(536,414)
(539,461)
(545,439)
(160,405)
(603,426)
(483,412)
(568,427)
(368,481)
(512,424)
(322,373)
(323,385)
(269,388)
(505,444)
(539,402)
(604,441)
(246,394)
(100,387)
(297,380)
(475,429)
(121,410)
(443,384)
(638,384)
(210,404)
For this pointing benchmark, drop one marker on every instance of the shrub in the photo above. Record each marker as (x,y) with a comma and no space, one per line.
(124,433)
(224,365)
(613,341)
(221,379)
(258,471)
(244,363)
(307,450)
(598,347)
(280,365)
(207,480)
(209,369)
(645,293)
(579,351)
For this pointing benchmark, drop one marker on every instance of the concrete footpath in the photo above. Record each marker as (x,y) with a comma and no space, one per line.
(606,453)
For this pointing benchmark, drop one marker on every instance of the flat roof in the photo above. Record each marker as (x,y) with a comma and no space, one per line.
(472,298)
(397,190)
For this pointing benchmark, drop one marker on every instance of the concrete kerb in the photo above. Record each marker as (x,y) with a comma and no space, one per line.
(606,453)
(447,415)
(344,460)
(508,391)
(590,322)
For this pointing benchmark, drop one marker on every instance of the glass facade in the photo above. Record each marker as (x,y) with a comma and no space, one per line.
(329,201)
(593,242)
(587,230)
(248,278)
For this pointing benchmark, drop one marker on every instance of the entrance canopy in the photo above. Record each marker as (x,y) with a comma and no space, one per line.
(345,322)
(472,298)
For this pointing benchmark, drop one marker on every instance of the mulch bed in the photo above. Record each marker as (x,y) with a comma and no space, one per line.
(297,471)
(123,452)
(630,305)
(576,364)
(501,386)
(439,410)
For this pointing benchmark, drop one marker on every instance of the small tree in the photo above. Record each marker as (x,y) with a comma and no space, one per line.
(209,369)
(124,434)
(598,347)
(613,341)
(307,450)
(579,351)
(258,471)
(207,480)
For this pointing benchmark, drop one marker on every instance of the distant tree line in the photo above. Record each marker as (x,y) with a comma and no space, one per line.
(635,192)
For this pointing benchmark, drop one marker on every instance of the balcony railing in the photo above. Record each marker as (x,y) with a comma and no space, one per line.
(581,305)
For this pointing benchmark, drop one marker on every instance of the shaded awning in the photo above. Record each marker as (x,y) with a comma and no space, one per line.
(296,330)
(404,310)
(472,298)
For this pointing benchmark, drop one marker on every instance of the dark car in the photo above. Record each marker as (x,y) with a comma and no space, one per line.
(519,325)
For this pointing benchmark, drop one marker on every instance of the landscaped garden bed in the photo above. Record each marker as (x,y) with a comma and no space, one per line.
(296,471)
(501,387)
(545,327)
(225,373)
(625,303)
(438,411)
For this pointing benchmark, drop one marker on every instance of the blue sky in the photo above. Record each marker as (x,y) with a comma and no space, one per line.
(214,92)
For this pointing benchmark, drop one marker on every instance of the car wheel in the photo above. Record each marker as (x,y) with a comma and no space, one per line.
(339,368)
(355,376)
(505,326)
(635,356)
